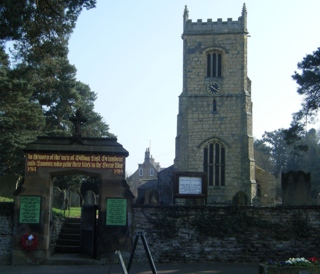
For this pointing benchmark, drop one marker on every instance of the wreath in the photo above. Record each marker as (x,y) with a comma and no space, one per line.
(29,241)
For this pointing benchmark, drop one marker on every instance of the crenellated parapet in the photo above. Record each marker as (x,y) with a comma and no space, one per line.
(219,26)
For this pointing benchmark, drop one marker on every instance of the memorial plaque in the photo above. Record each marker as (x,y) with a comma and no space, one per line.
(116,212)
(190,185)
(30,209)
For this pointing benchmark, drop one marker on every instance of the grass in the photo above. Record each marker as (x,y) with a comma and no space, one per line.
(5,199)
(73,212)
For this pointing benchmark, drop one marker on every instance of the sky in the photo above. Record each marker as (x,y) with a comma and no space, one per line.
(130,53)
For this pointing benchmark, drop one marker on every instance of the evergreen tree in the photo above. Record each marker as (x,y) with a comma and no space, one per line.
(262,155)
(275,155)
(39,91)
(21,119)
(308,79)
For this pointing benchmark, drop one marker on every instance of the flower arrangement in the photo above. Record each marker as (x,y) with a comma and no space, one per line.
(296,262)
(29,241)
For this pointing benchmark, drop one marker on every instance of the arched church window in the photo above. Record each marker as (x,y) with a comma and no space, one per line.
(214,163)
(214,62)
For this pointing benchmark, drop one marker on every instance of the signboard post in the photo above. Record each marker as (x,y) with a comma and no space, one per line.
(116,212)
(30,209)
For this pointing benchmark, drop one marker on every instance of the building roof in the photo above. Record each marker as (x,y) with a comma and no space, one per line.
(77,144)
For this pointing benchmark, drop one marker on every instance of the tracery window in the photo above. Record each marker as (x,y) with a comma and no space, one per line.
(214,155)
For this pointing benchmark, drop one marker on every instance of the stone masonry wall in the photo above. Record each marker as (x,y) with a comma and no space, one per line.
(220,234)
(212,234)
(6,225)
(224,117)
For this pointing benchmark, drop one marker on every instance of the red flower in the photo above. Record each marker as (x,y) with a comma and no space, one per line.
(313,260)
(29,241)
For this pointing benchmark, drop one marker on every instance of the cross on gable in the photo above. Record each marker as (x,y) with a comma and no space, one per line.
(78,120)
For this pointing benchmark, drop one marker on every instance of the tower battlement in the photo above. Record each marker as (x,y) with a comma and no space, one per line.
(219,26)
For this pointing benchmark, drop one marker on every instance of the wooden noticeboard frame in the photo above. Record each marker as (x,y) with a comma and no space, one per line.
(190,185)
(116,211)
(30,208)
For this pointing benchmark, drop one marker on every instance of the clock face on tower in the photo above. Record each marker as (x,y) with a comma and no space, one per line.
(213,88)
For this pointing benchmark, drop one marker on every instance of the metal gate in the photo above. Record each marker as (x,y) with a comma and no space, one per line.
(88,230)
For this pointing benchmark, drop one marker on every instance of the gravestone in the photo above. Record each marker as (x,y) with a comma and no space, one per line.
(296,188)
(240,199)
(58,198)
(74,199)
(8,184)
(89,198)
(151,197)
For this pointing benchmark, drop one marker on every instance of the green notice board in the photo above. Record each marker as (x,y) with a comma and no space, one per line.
(116,211)
(30,209)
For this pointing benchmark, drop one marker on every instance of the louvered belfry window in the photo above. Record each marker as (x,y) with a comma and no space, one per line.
(214,61)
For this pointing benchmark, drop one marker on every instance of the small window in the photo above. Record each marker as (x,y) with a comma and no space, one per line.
(214,105)
(214,164)
(140,171)
(214,64)
(151,172)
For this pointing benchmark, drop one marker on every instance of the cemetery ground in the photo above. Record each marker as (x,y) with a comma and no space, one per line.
(72,212)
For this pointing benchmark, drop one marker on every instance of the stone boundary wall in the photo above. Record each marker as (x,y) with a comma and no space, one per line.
(209,234)
(6,226)
(227,234)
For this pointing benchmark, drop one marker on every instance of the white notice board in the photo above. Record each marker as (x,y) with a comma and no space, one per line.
(190,185)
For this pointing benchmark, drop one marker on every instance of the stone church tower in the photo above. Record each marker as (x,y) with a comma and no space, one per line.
(214,125)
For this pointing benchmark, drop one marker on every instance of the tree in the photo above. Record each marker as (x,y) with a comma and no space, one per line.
(308,79)
(35,21)
(262,155)
(95,125)
(39,91)
(275,154)
(21,119)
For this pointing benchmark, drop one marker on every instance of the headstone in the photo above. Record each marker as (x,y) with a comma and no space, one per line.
(89,198)
(74,199)
(8,185)
(240,199)
(296,188)
(151,197)
(58,198)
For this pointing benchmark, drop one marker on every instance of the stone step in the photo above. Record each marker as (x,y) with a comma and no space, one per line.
(72,225)
(68,242)
(70,236)
(67,249)
(66,230)
(73,221)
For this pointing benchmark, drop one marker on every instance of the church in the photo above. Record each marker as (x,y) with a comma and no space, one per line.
(214,124)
